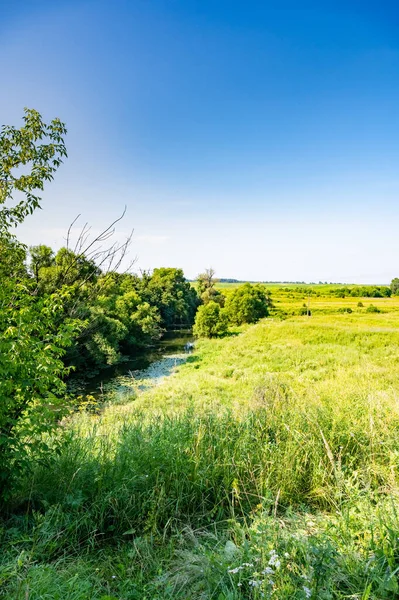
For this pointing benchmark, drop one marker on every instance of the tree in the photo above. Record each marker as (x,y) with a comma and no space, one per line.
(32,343)
(210,321)
(395,286)
(247,304)
(169,290)
(29,157)
(40,256)
(32,340)
(206,280)
(206,288)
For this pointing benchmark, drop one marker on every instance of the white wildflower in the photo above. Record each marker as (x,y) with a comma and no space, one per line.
(307,591)
(235,570)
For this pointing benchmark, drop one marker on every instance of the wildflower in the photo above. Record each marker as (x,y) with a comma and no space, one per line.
(235,570)
(113,576)
(307,591)
(239,584)
(254,583)
(286,555)
(274,560)
(268,571)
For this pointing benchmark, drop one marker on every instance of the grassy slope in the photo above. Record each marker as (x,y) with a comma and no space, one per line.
(282,439)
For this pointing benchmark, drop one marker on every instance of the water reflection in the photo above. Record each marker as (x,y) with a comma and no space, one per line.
(173,342)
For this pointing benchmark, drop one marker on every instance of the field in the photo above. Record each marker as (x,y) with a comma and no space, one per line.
(266,466)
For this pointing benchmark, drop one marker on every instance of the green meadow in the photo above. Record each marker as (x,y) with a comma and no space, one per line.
(265,466)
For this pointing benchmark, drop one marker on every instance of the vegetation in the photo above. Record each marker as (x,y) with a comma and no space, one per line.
(206,288)
(211,320)
(267,461)
(247,304)
(265,467)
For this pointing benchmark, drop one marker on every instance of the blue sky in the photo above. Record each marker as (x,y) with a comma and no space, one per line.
(256,137)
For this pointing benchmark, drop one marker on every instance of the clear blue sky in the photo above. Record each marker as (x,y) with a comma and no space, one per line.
(253,136)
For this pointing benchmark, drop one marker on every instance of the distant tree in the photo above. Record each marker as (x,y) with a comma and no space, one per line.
(247,304)
(169,290)
(206,280)
(213,295)
(395,286)
(210,321)
(206,288)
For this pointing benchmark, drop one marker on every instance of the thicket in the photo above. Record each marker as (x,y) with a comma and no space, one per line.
(117,313)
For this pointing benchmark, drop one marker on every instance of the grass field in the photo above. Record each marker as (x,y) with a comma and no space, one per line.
(265,467)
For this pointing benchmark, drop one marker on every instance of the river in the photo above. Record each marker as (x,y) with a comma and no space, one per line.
(144,369)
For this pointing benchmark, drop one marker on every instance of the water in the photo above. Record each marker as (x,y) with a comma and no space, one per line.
(172,343)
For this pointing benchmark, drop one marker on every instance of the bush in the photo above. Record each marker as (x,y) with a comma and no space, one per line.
(372,309)
(360,304)
(210,321)
(247,304)
(347,310)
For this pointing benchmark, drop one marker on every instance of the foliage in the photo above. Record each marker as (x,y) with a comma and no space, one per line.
(206,281)
(168,289)
(32,344)
(372,309)
(210,321)
(32,340)
(247,304)
(29,157)
(395,286)
(206,288)
(118,313)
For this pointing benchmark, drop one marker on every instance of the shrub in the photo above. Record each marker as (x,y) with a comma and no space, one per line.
(210,321)
(247,304)
(372,309)
(360,304)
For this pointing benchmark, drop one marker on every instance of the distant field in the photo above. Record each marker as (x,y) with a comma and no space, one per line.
(291,298)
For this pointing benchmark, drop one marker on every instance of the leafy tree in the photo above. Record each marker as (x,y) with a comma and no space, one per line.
(213,295)
(40,257)
(169,290)
(395,286)
(206,288)
(12,259)
(29,157)
(206,281)
(32,341)
(210,321)
(247,304)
